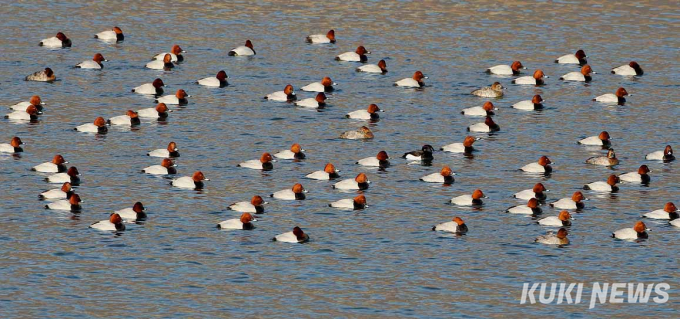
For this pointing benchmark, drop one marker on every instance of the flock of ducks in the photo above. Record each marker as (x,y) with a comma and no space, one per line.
(65,198)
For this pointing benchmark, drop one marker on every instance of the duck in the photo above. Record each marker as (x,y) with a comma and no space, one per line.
(586,75)
(326,85)
(329,172)
(465,147)
(58,41)
(245,222)
(244,50)
(134,213)
(362,133)
(469,200)
(72,176)
(115,34)
(165,64)
(297,192)
(57,165)
(170,151)
(356,203)
(359,55)
(602,139)
(175,55)
(131,118)
(153,88)
(512,69)
(445,176)
(641,176)
(536,103)
(531,208)
(542,166)
(159,112)
(488,126)
(35,101)
(98,126)
(666,155)
(669,211)
(381,68)
(495,90)
(563,219)
(264,163)
(457,226)
(114,223)
(552,239)
(321,38)
(46,75)
(64,192)
(369,114)
(219,80)
(413,82)
(194,181)
(255,205)
(632,68)
(358,183)
(577,58)
(424,154)
(287,95)
(609,160)
(616,97)
(380,160)
(294,153)
(317,102)
(179,98)
(538,192)
(72,204)
(30,114)
(95,63)
(537,79)
(14,146)
(575,202)
(485,110)
(639,231)
(294,237)
(167,167)
(608,186)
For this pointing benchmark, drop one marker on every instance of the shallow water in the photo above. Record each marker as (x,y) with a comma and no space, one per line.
(384,261)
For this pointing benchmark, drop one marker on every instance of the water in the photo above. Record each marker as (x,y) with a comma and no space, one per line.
(382,262)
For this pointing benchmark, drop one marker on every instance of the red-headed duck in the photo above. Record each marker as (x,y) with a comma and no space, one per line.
(30,114)
(114,223)
(445,176)
(131,118)
(380,160)
(577,58)
(329,172)
(98,126)
(326,85)
(58,41)
(321,38)
(71,175)
(368,114)
(415,81)
(115,34)
(167,167)
(296,236)
(512,69)
(630,69)
(164,64)
(456,226)
(295,152)
(362,133)
(531,208)
(617,97)
(639,231)
(264,163)
(563,219)
(607,186)
(669,211)
(297,192)
(536,79)
(359,55)
(244,50)
(608,160)
(95,63)
(179,98)
(255,205)
(666,155)
(317,102)
(586,75)
(469,200)
(64,192)
(603,139)
(134,213)
(193,182)
(57,165)
(554,239)
(485,110)
(35,100)
(488,126)
(424,154)
(153,88)
(465,147)
(170,151)
(14,146)
(538,192)
(72,204)
(245,222)
(358,183)
(46,75)
(542,166)
(287,95)
(175,54)
(381,68)
(356,203)
(536,103)
(495,90)
(159,112)
(575,202)
(219,80)
(641,176)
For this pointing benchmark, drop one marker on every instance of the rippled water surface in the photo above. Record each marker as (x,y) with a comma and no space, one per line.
(381,262)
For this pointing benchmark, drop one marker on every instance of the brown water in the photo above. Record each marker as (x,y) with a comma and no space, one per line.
(383,262)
